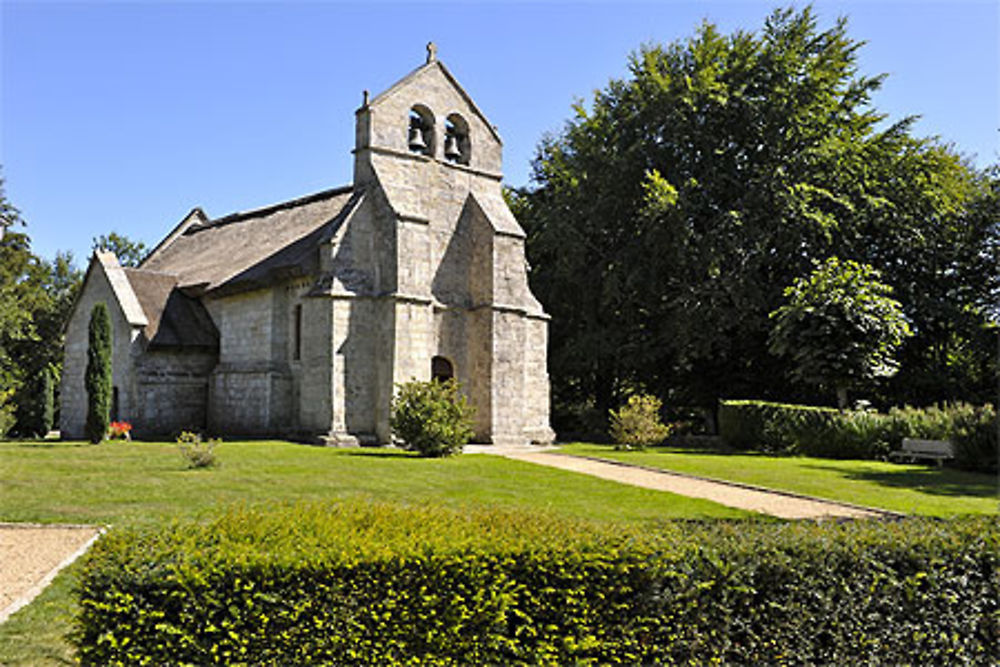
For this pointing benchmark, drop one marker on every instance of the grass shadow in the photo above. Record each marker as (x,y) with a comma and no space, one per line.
(932,481)
(381,452)
(47,445)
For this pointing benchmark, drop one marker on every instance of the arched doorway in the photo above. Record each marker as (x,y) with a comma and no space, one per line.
(441,369)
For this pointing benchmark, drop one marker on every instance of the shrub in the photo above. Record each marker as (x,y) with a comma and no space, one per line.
(637,425)
(769,427)
(47,399)
(7,409)
(974,435)
(197,452)
(859,434)
(35,415)
(378,584)
(930,423)
(432,418)
(97,379)
(846,435)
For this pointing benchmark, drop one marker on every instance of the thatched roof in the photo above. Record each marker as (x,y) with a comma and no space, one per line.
(174,319)
(217,253)
(239,251)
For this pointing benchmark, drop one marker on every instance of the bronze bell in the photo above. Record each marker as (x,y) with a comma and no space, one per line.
(416,141)
(451,150)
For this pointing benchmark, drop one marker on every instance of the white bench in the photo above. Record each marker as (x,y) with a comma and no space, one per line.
(915,448)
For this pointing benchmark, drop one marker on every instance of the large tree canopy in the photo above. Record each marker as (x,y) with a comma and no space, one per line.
(670,213)
(35,298)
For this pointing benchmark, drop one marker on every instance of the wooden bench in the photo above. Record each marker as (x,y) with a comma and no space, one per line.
(915,448)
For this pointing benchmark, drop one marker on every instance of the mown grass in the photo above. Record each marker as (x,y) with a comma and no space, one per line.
(147,484)
(911,489)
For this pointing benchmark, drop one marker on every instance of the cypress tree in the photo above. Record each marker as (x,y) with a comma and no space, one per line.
(98,376)
(48,396)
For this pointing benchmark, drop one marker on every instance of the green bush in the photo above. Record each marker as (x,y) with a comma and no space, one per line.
(47,402)
(38,415)
(7,410)
(974,435)
(432,418)
(196,452)
(846,435)
(637,425)
(769,427)
(378,584)
(930,423)
(859,434)
(97,378)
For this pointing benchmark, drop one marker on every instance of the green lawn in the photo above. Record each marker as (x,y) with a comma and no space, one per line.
(911,489)
(147,484)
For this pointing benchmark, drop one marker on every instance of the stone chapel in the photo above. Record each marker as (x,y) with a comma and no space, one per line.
(299,319)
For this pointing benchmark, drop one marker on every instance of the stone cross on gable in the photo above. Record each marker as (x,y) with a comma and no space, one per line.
(432,52)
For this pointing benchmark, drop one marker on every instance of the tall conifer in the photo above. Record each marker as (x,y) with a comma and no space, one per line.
(98,376)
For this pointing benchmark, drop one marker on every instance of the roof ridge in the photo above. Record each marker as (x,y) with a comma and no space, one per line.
(136,269)
(272,208)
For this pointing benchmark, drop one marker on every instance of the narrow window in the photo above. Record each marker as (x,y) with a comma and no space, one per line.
(297,350)
(114,404)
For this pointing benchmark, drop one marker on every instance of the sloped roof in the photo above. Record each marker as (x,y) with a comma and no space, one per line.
(121,287)
(266,240)
(434,63)
(174,319)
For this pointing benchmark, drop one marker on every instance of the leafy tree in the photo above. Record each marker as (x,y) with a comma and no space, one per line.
(35,299)
(129,252)
(97,378)
(840,327)
(669,214)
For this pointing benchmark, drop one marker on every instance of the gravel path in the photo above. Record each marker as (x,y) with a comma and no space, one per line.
(783,505)
(30,557)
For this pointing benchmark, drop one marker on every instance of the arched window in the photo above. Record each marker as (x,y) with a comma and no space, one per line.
(420,133)
(457,147)
(441,369)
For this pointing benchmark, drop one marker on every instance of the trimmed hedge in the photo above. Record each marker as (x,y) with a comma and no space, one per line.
(769,427)
(379,584)
(825,432)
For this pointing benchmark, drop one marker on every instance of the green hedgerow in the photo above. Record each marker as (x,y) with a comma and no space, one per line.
(373,584)
(637,425)
(432,418)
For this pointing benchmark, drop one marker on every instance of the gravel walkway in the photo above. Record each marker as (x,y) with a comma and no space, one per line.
(779,504)
(30,557)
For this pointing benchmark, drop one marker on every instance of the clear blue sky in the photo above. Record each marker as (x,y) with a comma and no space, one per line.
(124,116)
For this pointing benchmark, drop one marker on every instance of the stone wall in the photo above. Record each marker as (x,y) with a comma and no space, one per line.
(125,346)
(172,392)
(250,390)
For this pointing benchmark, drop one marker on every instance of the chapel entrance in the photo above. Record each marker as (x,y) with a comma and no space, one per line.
(441,369)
